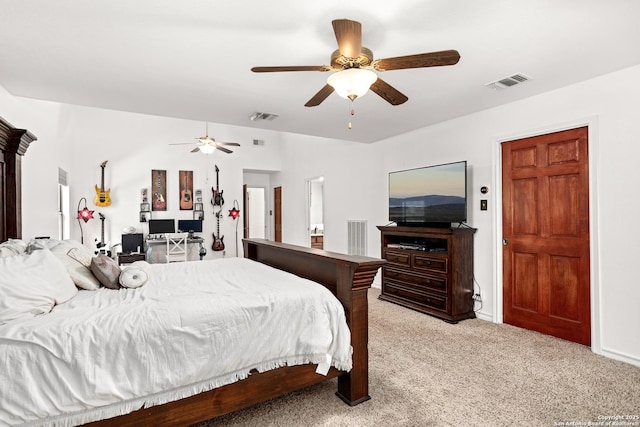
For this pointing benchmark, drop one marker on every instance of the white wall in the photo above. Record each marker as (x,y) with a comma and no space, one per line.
(78,139)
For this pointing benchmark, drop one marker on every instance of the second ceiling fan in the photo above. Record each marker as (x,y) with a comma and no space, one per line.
(355,69)
(207,144)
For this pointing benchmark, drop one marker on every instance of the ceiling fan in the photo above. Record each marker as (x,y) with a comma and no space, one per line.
(355,69)
(207,144)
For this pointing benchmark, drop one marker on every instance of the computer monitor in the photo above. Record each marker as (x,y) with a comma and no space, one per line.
(162,226)
(190,225)
(132,243)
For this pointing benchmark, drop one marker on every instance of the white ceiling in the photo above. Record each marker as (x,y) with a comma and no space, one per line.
(192,58)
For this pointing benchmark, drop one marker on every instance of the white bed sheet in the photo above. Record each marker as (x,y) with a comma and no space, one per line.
(195,326)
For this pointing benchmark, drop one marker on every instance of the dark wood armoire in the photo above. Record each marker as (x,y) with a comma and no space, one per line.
(13,145)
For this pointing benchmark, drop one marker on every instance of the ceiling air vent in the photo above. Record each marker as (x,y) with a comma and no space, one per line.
(258,142)
(263,116)
(508,81)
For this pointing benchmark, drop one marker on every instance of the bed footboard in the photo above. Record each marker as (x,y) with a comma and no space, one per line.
(348,277)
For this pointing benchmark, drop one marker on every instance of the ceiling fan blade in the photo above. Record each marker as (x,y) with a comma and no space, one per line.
(195,150)
(235,144)
(320,96)
(181,143)
(290,68)
(349,37)
(226,150)
(433,59)
(387,92)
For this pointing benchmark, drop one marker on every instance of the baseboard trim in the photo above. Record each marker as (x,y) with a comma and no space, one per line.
(484,316)
(623,357)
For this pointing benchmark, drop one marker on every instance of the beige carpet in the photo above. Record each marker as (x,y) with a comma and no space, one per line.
(425,372)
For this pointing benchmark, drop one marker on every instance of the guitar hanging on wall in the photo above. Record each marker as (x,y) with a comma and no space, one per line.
(159,204)
(217,201)
(102,195)
(186,201)
(102,247)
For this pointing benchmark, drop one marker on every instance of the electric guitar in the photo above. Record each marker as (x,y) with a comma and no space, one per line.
(186,201)
(159,203)
(217,201)
(102,195)
(102,247)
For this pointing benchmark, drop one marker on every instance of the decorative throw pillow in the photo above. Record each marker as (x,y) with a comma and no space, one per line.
(106,271)
(135,275)
(31,284)
(75,257)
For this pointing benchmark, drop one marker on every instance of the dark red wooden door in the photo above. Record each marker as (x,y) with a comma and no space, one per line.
(545,190)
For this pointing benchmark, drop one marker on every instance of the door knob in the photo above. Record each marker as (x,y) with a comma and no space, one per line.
(505,242)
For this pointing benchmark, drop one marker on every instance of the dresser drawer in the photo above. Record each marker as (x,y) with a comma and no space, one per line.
(424,262)
(427,300)
(431,282)
(397,257)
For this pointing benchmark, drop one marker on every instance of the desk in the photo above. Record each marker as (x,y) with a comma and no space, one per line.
(157,248)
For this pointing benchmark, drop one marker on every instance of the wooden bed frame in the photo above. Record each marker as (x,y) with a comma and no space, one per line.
(348,277)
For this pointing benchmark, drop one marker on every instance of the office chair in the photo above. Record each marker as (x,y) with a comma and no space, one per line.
(176,247)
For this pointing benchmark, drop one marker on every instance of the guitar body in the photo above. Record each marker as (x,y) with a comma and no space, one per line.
(158,202)
(185,199)
(218,244)
(102,197)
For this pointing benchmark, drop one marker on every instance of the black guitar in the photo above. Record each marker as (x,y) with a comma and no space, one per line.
(217,201)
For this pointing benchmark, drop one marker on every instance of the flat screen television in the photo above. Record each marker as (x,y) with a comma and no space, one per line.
(431,196)
(162,226)
(190,225)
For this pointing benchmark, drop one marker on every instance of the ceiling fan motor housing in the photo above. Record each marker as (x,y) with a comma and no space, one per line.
(342,62)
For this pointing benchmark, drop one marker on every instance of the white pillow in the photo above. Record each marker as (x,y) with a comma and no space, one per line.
(31,284)
(12,247)
(75,257)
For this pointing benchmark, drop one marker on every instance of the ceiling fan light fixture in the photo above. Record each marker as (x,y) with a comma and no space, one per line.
(207,148)
(353,82)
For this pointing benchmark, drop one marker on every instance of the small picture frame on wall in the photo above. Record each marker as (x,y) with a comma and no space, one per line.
(144,207)
(145,216)
(198,215)
(144,196)
(198,207)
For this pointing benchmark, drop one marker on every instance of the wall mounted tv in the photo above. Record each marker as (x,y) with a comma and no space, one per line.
(432,196)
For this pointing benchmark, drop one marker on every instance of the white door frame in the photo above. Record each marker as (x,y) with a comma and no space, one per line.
(594,229)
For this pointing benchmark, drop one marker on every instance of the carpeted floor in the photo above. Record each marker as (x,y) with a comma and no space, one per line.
(425,372)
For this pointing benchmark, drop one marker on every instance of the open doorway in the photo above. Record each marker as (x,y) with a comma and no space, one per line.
(315,216)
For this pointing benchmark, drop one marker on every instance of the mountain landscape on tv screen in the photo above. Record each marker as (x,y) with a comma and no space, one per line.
(432,207)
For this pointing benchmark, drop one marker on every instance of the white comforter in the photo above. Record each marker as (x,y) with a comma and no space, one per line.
(195,326)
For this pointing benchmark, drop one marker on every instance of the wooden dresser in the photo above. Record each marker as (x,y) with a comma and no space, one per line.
(429,270)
